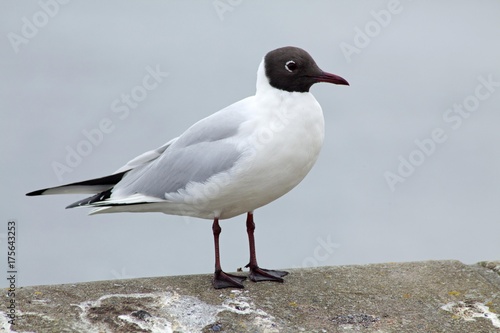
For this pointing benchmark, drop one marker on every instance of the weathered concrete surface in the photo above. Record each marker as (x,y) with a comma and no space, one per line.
(434,296)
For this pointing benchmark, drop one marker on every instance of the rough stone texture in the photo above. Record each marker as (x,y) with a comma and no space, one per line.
(434,296)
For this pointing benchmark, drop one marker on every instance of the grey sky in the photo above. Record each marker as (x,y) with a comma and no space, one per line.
(419,71)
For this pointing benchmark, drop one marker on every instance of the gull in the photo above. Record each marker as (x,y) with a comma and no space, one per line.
(229,163)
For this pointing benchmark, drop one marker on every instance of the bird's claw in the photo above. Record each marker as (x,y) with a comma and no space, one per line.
(224,280)
(258,274)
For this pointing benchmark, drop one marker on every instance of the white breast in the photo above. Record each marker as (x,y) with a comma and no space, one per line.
(281,142)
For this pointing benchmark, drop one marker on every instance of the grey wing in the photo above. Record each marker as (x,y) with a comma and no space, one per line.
(176,168)
(201,152)
(145,157)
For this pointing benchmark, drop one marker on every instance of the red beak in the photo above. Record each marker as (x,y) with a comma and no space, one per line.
(331,78)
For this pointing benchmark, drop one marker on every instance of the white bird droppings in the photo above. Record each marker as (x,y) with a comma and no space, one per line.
(166,312)
(470,310)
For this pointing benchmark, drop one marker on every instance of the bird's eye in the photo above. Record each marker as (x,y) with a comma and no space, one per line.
(291,66)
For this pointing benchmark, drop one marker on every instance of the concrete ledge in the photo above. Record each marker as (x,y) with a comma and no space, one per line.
(434,296)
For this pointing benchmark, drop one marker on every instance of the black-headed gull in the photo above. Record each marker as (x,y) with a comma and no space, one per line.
(232,162)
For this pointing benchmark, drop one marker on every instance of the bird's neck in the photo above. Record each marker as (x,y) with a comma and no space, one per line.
(262,85)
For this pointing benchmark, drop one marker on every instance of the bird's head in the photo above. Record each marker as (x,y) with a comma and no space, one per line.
(293,69)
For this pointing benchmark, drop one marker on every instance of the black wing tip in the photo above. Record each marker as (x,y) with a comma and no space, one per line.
(37,192)
(73,205)
(110,180)
(93,199)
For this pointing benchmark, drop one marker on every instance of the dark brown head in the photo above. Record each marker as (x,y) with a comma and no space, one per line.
(293,69)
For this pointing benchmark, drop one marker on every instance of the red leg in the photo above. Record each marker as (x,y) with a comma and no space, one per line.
(258,274)
(222,279)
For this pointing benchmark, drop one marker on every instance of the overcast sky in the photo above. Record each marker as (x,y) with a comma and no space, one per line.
(409,169)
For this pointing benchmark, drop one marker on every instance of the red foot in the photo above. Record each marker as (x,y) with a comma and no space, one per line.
(225,280)
(258,274)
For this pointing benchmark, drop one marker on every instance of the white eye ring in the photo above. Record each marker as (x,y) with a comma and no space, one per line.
(290,62)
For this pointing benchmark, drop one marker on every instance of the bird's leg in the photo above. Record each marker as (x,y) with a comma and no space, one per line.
(258,274)
(222,279)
